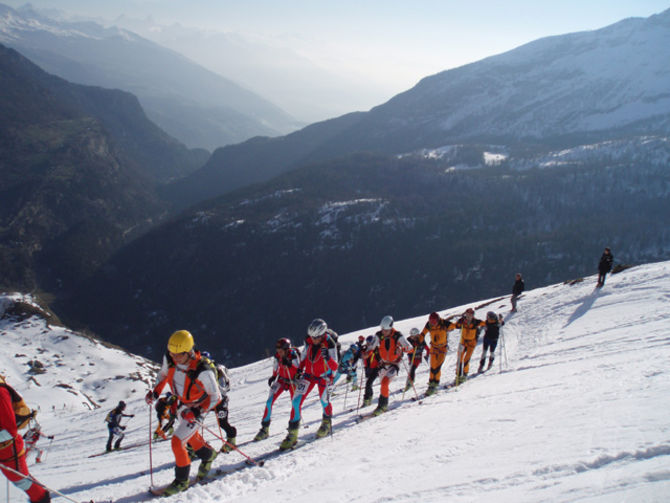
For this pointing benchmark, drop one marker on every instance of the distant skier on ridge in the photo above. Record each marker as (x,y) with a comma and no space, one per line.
(604,266)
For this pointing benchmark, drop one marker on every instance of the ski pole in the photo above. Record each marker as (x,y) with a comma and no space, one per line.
(257,463)
(459,363)
(408,376)
(34,480)
(415,393)
(346,393)
(506,360)
(46,451)
(360,388)
(151,459)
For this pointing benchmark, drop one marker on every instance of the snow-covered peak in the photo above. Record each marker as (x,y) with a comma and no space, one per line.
(14,24)
(613,78)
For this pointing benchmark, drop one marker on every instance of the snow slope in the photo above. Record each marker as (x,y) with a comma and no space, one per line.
(574,409)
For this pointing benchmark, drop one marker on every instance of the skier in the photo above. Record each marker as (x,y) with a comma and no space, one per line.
(391,344)
(31,437)
(438,329)
(221,408)
(371,366)
(12,451)
(193,380)
(604,266)
(166,410)
(469,326)
(113,421)
(348,364)
(414,358)
(318,365)
(493,324)
(284,372)
(517,290)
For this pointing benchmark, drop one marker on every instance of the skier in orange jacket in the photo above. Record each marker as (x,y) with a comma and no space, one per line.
(193,380)
(469,326)
(438,328)
(391,345)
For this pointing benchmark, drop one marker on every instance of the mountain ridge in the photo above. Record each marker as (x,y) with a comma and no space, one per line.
(517,98)
(191,103)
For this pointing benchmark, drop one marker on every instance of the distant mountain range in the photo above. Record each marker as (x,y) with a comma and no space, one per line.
(80,169)
(531,161)
(193,104)
(366,235)
(554,92)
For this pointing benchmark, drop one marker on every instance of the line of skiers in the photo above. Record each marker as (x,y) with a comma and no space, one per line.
(198,385)
(381,355)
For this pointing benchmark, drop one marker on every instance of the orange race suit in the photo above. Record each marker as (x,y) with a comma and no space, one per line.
(469,335)
(197,389)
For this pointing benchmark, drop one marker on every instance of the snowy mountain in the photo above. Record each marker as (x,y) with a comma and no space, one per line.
(573,410)
(612,79)
(191,103)
(556,92)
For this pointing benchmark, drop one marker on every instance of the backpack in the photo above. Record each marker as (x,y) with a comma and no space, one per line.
(222,376)
(22,412)
(388,347)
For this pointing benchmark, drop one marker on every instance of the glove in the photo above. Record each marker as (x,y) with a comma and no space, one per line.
(286,362)
(191,415)
(150,397)
(122,427)
(271,381)
(324,352)
(427,357)
(132,415)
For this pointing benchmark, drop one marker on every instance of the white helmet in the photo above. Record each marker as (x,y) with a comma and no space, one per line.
(387,322)
(414,331)
(317,328)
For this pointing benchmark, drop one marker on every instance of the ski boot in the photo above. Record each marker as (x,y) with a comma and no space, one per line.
(207,455)
(228,447)
(490,363)
(432,388)
(354,387)
(367,401)
(325,428)
(481,366)
(382,406)
(180,482)
(263,433)
(291,438)
(408,384)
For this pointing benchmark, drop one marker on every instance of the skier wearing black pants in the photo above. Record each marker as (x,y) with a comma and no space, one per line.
(113,421)
(604,266)
(492,327)
(371,365)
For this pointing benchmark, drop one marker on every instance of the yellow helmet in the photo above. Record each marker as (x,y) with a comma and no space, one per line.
(180,342)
